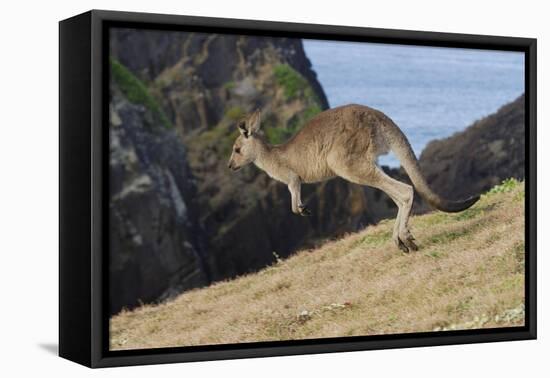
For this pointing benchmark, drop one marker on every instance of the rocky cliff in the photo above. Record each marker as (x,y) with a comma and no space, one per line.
(205,83)
(203,78)
(478,158)
(156,242)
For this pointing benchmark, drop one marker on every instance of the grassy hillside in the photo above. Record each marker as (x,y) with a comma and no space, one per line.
(468,273)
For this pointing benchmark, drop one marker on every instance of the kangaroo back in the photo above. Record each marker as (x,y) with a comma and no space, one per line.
(401,147)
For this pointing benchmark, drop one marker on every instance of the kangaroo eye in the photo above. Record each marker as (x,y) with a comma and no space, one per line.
(238,150)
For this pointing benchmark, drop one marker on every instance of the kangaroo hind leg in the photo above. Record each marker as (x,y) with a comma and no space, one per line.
(403,195)
(368,173)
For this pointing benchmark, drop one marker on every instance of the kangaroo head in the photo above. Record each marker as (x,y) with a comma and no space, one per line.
(248,144)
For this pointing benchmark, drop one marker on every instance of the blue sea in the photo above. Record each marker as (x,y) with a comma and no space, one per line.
(429,92)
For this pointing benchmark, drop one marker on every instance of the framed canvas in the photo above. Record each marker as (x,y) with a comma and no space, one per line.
(235,188)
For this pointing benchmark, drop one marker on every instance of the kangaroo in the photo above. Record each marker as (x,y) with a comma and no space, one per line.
(346,142)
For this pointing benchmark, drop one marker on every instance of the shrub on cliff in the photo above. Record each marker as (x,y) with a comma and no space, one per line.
(136,91)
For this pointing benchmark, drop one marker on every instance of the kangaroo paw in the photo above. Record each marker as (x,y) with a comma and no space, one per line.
(411,245)
(402,246)
(304,211)
(408,242)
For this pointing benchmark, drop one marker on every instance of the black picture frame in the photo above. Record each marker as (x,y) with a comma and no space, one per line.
(83,167)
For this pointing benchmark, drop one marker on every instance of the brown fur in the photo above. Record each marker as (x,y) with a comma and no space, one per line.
(346,142)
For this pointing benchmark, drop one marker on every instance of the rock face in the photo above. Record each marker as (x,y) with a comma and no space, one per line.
(480,157)
(205,84)
(156,246)
(201,77)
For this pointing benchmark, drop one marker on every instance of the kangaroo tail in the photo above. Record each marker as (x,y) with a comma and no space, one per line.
(402,149)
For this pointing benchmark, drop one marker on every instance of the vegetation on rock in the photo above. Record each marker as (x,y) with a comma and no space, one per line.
(294,87)
(136,91)
(235,113)
(278,134)
(292,82)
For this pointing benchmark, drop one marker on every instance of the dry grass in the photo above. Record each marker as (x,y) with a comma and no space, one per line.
(468,273)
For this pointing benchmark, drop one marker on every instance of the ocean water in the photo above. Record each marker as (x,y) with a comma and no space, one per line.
(429,92)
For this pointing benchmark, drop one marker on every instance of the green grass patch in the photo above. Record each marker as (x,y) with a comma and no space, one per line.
(136,91)
(519,196)
(376,239)
(435,254)
(449,236)
(514,281)
(505,187)
(434,219)
(467,214)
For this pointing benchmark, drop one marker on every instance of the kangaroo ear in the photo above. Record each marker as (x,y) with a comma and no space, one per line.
(254,122)
(243,129)
(251,125)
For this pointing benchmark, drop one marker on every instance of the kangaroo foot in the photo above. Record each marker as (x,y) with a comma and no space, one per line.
(411,244)
(399,244)
(402,246)
(304,211)
(405,242)
(408,240)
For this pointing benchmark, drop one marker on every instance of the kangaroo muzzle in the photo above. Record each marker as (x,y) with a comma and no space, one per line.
(231,165)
